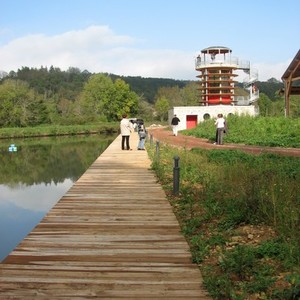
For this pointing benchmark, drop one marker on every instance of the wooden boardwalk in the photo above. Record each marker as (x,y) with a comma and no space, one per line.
(113,235)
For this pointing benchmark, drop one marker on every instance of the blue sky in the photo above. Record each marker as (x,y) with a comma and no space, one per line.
(148,38)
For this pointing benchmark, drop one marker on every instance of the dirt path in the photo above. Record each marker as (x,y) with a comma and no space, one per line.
(165,135)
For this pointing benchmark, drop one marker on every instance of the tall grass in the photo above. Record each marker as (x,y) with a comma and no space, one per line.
(263,131)
(221,190)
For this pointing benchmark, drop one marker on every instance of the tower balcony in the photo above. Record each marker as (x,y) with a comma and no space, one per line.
(231,62)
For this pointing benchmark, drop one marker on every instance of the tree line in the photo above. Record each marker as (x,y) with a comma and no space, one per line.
(35,96)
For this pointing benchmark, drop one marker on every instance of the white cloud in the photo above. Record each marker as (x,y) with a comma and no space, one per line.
(82,48)
(267,70)
(38,197)
(99,49)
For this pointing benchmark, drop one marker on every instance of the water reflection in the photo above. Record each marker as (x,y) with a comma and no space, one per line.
(35,177)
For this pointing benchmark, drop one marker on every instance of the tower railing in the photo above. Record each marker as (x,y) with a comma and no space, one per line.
(246,100)
(202,62)
(253,76)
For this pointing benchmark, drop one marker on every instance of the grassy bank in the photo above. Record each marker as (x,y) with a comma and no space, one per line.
(241,216)
(261,131)
(57,130)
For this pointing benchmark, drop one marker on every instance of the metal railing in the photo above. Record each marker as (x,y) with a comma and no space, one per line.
(246,100)
(252,77)
(230,62)
(176,168)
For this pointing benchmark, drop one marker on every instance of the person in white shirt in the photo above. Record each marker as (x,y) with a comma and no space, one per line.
(220,124)
(125,127)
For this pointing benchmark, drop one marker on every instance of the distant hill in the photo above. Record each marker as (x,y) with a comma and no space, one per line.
(69,83)
(269,88)
(148,87)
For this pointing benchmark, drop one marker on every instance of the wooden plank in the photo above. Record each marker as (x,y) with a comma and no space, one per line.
(112,235)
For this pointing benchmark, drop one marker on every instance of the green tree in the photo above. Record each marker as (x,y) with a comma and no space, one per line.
(145,110)
(265,105)
(97,91)
(190,94)
(124,100)
(162,106)
(172,94)
(101,97)
(20,106)
(295,106)
(278,108)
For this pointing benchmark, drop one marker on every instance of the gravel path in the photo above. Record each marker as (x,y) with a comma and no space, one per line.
(164,135)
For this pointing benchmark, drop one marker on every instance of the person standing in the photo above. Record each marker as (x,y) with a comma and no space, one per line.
(220,125)
(142,132)
(175,121)
(125,128)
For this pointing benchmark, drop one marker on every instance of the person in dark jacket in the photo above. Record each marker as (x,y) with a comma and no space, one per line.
(175,121)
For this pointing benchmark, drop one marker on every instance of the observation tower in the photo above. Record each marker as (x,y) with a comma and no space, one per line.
(217,76)
(219,93)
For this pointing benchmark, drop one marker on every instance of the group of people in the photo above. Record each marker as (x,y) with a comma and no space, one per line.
(220,124)
(126,127)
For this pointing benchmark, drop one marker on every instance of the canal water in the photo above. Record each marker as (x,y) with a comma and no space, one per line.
(34,174)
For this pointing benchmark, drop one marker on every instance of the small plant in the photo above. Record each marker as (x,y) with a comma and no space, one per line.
(200,249)
(239,261)
(290,293)
(219,285)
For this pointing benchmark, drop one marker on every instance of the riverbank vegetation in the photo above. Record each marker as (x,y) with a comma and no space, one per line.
(240,216)
(59,130)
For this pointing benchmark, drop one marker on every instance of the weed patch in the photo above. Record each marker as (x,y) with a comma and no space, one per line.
(240,214)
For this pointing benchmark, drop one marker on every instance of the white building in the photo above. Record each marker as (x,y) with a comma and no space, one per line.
(190,116)
(217,85)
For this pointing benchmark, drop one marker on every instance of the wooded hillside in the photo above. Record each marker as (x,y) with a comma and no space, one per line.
(34,96)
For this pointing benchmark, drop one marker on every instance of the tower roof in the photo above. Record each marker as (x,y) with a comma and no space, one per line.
(216,50)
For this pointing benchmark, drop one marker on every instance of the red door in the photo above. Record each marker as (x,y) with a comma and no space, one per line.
(191,121)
